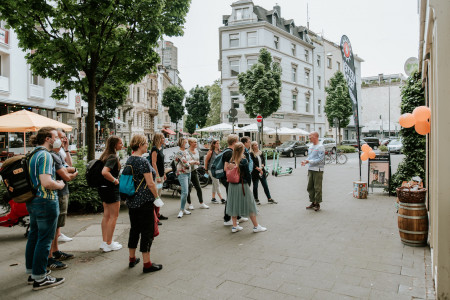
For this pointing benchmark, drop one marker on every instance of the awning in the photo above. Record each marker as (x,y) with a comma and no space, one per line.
(168,131)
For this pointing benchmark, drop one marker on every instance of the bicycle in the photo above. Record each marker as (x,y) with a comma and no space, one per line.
(340,156)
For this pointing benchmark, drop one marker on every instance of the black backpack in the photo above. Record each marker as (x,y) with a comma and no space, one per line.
(16,177)
(94,177)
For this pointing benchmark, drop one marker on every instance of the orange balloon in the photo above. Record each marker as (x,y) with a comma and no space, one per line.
(423,127)
(365,148)
(365,156)
(372,154)
(407,120)
(421,113)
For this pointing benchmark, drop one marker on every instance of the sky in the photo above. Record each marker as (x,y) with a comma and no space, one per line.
(384,33)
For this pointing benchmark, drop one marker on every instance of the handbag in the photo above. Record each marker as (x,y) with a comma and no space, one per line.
(233,175)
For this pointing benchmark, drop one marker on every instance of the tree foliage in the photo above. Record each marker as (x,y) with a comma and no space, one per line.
(197,105)
(80,44)
(190,124)
(261,86)
(339,104)
(413,143)
(215,98)
(173,99)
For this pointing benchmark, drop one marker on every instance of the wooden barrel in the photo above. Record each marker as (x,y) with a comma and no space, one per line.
(413,223)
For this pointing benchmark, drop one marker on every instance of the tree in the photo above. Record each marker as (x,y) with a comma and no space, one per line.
(80,44)
(173,99)
(261,86)
(215,97)
(197,105)
(339,104)
(190,124)
(413,143)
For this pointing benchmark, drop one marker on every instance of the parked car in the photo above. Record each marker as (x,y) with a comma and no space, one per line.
(167,143)
(372,142)
(293,147)
(387,141)
(396,146)
(353,143)
(329,144)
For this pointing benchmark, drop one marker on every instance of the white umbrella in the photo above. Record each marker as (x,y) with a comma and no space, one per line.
(254,128)
(299,131)
(217,128)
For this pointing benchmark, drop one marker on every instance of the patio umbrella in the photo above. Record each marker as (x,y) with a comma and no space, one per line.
(254,128)
(27,121)
(218,128)
(299,131)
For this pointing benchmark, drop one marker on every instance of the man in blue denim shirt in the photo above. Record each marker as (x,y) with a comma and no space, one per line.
(43,209)
(316,161)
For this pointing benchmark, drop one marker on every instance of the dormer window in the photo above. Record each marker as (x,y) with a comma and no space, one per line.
(291,29)
(242,13)
(274,20)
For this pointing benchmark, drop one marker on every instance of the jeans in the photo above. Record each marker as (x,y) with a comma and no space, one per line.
(142,225)
(196,183)
(184,179)
(43,218)
(264,185)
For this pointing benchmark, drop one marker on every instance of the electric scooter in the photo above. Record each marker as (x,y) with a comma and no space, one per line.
(279,170)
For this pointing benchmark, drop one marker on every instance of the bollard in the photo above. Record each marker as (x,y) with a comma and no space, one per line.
(295,160)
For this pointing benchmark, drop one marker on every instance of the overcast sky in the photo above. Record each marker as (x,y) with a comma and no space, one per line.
(384,33)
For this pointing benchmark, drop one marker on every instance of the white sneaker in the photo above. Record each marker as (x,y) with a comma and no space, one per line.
(259,228)
(203,205)
(180,214)
(186,212)
(191,207)
(242,219)
(229,223)
(64,238)
(112,247)
(236,229)
(102,245)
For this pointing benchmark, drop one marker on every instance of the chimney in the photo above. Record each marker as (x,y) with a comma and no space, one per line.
(278,9)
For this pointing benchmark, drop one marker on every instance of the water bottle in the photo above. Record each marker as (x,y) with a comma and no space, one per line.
(159,186)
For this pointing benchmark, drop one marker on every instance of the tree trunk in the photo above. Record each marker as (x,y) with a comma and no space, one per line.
(90,126)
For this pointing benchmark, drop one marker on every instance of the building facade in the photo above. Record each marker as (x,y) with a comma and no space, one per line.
(380,105)
(434,49)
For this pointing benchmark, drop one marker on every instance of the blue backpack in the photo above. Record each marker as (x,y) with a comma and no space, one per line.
(217,166)
(127,182)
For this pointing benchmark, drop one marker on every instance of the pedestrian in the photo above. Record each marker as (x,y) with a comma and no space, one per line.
(43,210)
(195,159)
(316,161)
(183,164)
(109,192)
(247,144)
(259,173)
(140,206)
(65,174)
(157,162)
(240,201)
(232,139)
(67,159)
(214,150)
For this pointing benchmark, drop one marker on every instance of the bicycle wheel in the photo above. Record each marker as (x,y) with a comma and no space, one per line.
(342,159)
(328,159)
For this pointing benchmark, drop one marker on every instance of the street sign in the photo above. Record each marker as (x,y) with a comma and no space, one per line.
(77,106)
(232,112)
(232,120)
(78,100)
(259,118)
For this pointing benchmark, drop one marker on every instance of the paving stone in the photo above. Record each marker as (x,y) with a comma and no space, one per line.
(385,295)
(324,295)
(268,295)
(384,268)
(351,290)
(297,290)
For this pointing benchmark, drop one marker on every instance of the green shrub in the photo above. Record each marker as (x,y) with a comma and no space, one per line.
(83,199)
(270,152)
(223,144)
(383,148)
(347,149)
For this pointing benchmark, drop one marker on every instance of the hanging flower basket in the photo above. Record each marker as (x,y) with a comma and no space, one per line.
(408,195)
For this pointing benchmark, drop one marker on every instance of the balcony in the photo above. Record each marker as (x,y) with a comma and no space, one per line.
(153,112)
(36,91)
(4,84)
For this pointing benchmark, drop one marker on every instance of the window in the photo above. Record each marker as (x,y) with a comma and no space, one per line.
(294,102)
(319,107)
(251,38)
(34,79)
(294,74)
(307,98)
(234,99)
(306,55)
(138,94)
(234,40)
(293,49)
(251,62)
(329,63)
(274,20)
(318,60)
(308,127)
(338,65)
(307,77)
(151,84)
(242,13)
(234,68)
(276,41)
(319,82)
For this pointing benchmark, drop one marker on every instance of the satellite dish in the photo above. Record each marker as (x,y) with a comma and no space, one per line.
(411,65)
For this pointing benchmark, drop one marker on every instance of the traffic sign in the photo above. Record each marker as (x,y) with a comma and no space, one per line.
(78,100)
(232,112)
(232,120)
(259,118)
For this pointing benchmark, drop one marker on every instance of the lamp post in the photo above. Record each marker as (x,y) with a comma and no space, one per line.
(336,122)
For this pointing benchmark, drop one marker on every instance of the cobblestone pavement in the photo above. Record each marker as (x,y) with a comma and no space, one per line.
(350,249)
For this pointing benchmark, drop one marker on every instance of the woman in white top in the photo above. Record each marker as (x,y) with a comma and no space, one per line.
(214,150)
(194,156)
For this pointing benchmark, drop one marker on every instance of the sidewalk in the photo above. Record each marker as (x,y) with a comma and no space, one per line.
(350,249)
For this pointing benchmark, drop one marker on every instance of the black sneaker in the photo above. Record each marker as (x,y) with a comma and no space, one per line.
(53,264)
(272,201)
(153,268)
(59,255)
(161,217)
(133,263)
(257,202)
(30,280)
(47,282)
(223,201)
(215,201)
(159,223)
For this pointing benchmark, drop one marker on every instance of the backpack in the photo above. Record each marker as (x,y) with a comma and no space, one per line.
(233,175)
(126,183)
(217,166)
(94,177)
(16,177)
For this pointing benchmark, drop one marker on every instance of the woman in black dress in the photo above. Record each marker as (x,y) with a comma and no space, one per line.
(259,173)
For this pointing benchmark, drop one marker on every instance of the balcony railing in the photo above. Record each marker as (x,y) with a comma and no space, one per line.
(4,84)
(36,91)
